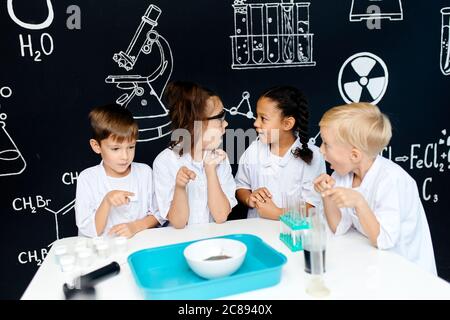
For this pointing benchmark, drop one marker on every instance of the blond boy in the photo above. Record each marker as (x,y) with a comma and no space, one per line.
(369,192)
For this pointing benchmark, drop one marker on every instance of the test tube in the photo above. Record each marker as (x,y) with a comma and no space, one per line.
(273,30)
(294,237)
(287,29)
(257,32)
(241,38)
(302,17)
(445,39)
(303,212)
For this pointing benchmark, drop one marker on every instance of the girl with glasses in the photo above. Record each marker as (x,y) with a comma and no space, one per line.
(193,178)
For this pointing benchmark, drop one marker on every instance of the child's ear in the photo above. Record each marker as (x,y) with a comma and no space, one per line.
(355,155)
(288,123)
(95,146)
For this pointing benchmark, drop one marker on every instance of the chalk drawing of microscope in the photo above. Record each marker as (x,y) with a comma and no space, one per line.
(144,98)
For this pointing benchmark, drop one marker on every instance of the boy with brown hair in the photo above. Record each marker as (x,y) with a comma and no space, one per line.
(116,196)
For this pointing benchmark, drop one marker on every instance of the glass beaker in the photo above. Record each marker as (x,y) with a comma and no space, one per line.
(314,251)
(314,246)
(445,39)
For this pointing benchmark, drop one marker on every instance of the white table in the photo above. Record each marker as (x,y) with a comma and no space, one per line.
(355,269)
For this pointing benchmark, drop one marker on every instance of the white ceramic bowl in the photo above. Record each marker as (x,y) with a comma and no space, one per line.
(197,253)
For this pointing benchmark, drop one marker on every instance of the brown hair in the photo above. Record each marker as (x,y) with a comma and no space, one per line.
(186,102)
(114,121)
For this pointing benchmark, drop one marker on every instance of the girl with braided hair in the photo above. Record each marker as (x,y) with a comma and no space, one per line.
(281,160)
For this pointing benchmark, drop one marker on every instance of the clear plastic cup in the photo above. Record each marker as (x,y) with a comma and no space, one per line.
(60,250)
(120,244)
(66,262)
(70,275)
(102,249)
(85,257)
(97,240)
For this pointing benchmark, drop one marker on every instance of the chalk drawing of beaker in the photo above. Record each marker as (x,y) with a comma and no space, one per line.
(257,31)
(11,160)
(273,30)
(287,29)
(241,45)
(445,39)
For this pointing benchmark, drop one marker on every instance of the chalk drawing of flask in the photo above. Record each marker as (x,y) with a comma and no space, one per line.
(11,160)
(445,39)
(241,38)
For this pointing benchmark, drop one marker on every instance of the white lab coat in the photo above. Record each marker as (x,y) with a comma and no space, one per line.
(165,169)
(393,196)
(258,167)
(92,186)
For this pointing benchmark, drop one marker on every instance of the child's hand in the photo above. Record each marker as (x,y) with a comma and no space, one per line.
(260,194)
(266,208)
(183,177)
(118,197)
(323,182)
(214,157)
(124,229)
(344,197)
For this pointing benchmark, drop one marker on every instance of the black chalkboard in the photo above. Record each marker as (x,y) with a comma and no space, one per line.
(61,58)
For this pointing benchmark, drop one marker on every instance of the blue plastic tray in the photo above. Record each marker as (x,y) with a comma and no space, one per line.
(163,273)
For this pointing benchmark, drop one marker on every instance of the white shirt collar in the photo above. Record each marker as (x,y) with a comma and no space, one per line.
(187,157)
(371,174)
(265,158)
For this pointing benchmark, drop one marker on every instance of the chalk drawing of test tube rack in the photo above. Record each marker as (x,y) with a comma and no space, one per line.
(144,100)
(271,35)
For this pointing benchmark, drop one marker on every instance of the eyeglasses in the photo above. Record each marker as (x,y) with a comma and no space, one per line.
(220,116)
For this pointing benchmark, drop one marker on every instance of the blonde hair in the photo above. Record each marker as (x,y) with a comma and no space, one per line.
(361,125)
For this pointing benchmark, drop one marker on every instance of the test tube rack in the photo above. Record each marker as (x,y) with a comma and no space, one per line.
(291,229)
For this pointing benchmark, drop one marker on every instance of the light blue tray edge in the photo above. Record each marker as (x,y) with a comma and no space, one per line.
(254,279)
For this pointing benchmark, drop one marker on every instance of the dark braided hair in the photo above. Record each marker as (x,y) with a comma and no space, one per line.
(292,103)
